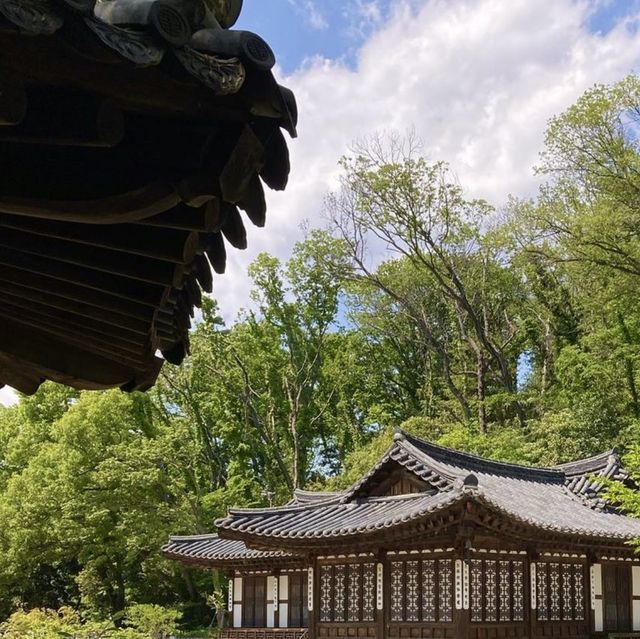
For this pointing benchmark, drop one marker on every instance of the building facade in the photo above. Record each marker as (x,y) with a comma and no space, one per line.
(433,544)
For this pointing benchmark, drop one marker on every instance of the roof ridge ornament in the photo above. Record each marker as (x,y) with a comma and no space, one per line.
(33,16)
(470,483)
(467,483)
(226,12)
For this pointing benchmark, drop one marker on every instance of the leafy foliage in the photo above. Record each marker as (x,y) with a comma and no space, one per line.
(513,335)
(145,622)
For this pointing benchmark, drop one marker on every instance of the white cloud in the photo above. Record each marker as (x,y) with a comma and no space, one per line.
(7,396)
(477,79)
(364,16)
(312,14)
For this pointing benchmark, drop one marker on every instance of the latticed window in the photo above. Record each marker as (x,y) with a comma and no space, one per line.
(496,590)
(422,590)
(347,592)
(560,591)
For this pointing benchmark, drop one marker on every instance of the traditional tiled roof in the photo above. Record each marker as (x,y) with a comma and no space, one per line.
(537,497)
(341,519)
(313,497)
(583,476)
(553,500)
(212,550)
(133,133)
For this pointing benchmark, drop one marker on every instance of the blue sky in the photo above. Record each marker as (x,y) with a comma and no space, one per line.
(300,29)
(335,29)
(608,14)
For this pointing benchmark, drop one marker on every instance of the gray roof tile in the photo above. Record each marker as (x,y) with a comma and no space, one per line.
(552,499)
(213,549)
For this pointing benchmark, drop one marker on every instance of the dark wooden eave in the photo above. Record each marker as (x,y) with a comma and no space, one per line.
(134,137)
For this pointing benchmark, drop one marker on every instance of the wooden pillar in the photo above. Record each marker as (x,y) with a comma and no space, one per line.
(382,598)
(313,596)
(635,597)
(589,618)
(276,598)
(460,614)
(531,590)
(596,595)
(237,613)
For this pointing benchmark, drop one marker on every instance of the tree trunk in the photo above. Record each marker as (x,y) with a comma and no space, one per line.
(629,368)
(191,589)
(547,357)
(295,437)
(481,369)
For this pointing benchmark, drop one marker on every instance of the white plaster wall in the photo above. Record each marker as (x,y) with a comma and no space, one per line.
(270,606)
(598,610)
(237,602)
(283,608)
(635,585)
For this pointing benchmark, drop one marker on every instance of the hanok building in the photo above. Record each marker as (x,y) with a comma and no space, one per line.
(134,137)
(433,543)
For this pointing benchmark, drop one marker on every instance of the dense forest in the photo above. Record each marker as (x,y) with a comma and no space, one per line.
(511,332)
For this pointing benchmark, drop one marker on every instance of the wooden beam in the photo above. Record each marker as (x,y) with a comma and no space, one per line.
(119,286)
(244,163)
(30,283)
(174,246)
(133,267)
(13,101)
(67,323)
(67,119)
(196,190)
(254,203)
(87,342)
(34,354)
(233,227)
(127,207)
(275,171)
(179,321)
(205,219)
(216,252)
(203,273)
(26,296)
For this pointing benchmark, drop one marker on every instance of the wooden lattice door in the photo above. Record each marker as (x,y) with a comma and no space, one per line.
(617,597)
(254,602)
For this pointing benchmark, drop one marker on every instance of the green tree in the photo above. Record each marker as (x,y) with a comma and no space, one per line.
(392,199)
(103,494)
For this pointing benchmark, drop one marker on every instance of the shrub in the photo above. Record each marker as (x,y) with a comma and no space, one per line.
(143,621)
(153,621)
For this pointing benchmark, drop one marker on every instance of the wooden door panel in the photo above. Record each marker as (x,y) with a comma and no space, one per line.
(254,602)
(624,598)
(616,580)
(261,603)
(298,603)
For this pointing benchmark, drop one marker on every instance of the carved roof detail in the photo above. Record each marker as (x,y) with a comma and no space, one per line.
(135,135)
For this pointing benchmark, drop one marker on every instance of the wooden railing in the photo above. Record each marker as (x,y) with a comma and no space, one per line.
(264,633)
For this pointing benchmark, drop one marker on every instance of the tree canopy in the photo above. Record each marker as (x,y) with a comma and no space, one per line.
(513,333)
